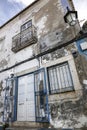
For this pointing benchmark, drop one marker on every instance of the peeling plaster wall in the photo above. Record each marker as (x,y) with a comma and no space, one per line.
(69,109)
(67,114)
(47,17)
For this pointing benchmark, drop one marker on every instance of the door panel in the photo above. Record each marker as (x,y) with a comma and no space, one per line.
(21,112)
(26,103)
(30,101)
(30,111)
(21,99)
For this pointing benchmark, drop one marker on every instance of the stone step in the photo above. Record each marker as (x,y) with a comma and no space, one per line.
(21,128)
(18,128)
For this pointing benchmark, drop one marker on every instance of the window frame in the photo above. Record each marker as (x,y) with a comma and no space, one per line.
(36,92)
(25,25)
(63,90)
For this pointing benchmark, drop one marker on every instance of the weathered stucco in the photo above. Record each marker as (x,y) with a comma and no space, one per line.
(66,113)
(67,109)
(50,33)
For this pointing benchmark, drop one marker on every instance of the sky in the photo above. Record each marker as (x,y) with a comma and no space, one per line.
(8,8)
(81,7)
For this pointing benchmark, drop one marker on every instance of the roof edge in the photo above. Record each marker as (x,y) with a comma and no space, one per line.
(19,13)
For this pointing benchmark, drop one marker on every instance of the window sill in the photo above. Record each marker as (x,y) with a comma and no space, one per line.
(61,91)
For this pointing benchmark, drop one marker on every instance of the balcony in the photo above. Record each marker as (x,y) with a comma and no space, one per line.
(24,38)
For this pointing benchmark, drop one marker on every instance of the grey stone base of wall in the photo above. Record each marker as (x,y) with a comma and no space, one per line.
(45,129)
(29,124)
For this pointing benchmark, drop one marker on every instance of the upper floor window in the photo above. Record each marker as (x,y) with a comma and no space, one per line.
(26,37)
(59,78)
(26,25)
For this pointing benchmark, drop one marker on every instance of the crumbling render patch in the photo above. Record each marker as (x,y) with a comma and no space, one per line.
(41,24)
(67,114)
(3,63)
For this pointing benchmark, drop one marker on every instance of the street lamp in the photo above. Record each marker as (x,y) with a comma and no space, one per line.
(71,17)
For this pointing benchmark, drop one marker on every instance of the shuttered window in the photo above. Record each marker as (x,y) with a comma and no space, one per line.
(59,78)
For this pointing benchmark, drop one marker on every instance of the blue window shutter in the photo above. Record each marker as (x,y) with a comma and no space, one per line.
(15,99)
(10,101)
(41,97)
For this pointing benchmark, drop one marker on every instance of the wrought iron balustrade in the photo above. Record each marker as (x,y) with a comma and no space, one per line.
(24,39)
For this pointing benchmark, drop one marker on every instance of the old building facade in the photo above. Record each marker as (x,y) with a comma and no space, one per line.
(42,81)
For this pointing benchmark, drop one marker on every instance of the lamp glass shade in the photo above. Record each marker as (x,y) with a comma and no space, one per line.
(71,19)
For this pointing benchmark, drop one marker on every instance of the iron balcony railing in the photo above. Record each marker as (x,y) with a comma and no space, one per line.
(24,39)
